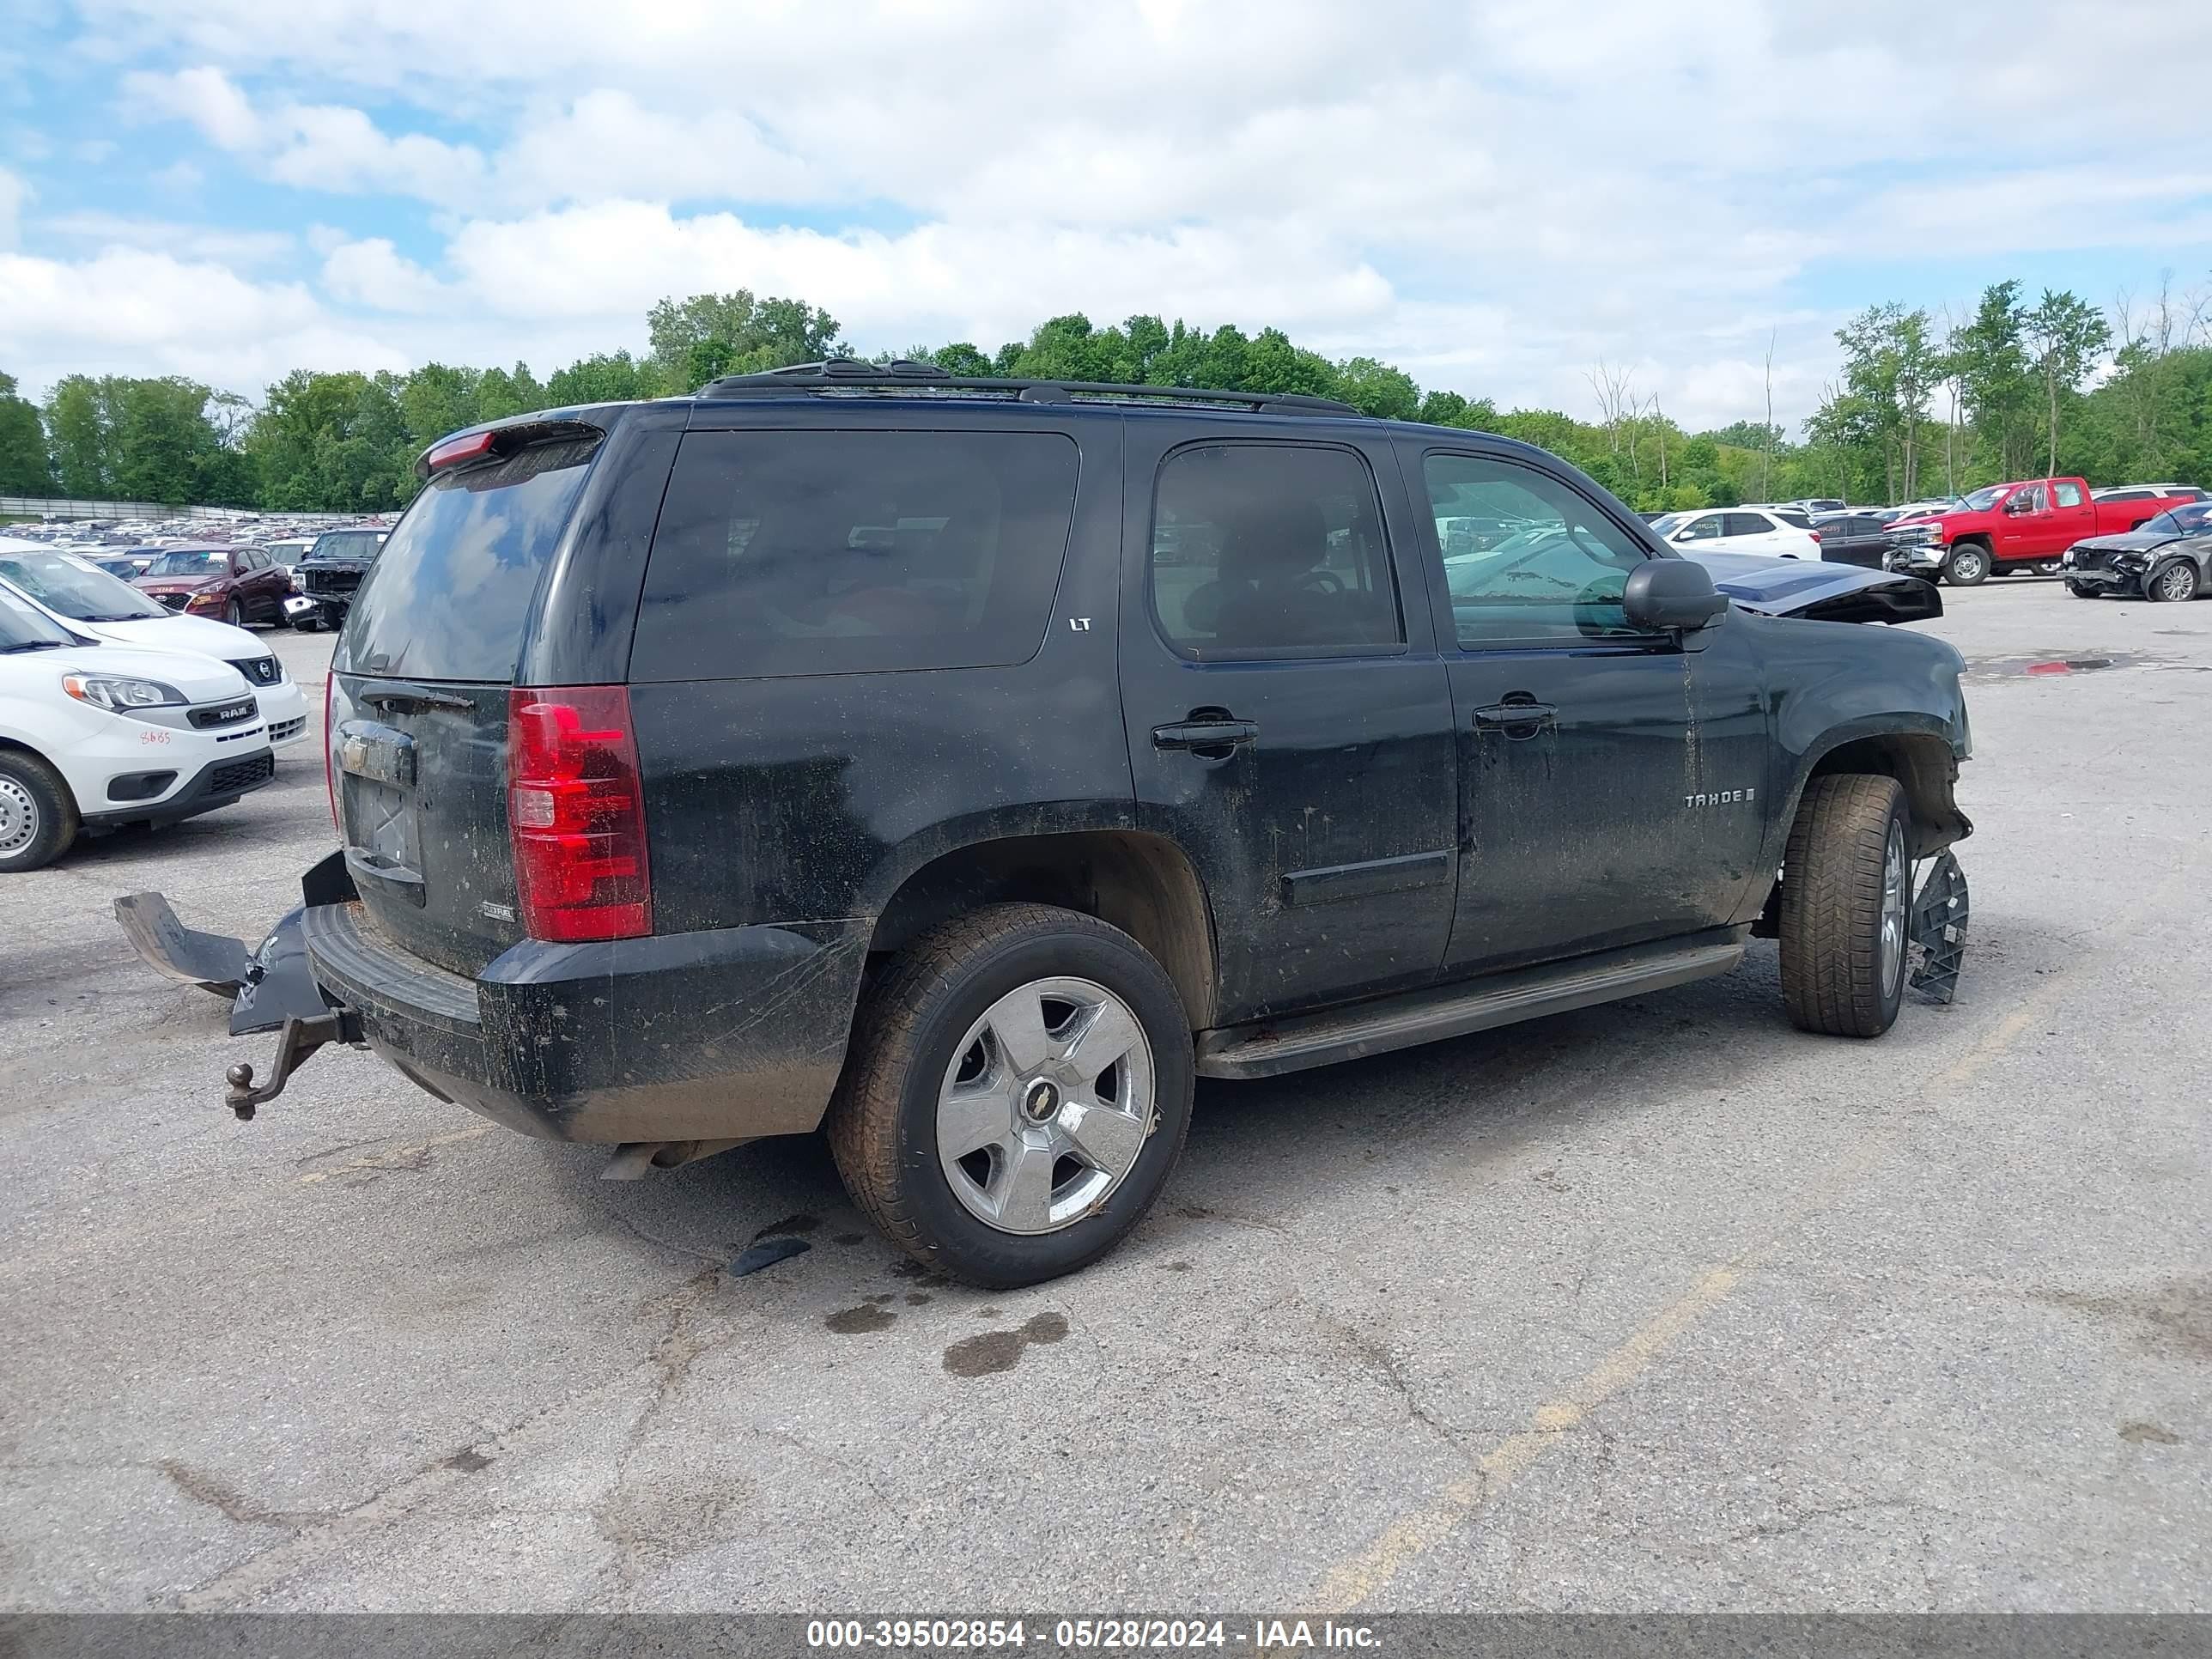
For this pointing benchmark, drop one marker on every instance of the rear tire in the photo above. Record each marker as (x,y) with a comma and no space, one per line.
(928,1068)
(1846,901)
(2177,583)
(37,813)
(1968,565)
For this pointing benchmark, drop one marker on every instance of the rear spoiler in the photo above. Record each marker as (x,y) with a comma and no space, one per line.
(481,445)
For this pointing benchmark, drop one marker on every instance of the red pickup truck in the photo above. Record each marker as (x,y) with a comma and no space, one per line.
(2014,526)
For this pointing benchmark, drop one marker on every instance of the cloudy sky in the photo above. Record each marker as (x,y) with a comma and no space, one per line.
(1493,195)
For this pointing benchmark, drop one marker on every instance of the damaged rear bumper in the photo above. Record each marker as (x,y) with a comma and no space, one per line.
(740,1032)
(719,1036)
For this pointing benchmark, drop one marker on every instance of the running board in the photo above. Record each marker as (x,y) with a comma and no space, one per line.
(1270,1047)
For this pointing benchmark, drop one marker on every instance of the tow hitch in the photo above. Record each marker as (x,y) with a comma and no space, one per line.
(272,988)
(1938,926)
(298,1040)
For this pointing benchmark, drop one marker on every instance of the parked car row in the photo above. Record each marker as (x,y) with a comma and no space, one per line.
(2115,540)
(2028,525)
(2168,558)
(117,708)
(239,570)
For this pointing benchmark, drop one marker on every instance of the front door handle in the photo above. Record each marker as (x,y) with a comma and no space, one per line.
(1207,737)
(1516,719)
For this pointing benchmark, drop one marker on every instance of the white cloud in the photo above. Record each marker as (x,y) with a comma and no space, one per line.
(178,179)
(198,242)
(372,274)
(1491,195)
(203,96)
(127,311)
(13,194)
(326,146)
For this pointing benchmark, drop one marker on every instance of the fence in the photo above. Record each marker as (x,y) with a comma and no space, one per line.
(43,507)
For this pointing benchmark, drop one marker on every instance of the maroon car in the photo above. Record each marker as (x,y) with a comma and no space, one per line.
(230,584)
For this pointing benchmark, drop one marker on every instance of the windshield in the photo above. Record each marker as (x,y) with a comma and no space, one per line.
(1670,523)
(26,628)
(2190,520)
(347,545)
(181,563)
(76,590)
(1982,499)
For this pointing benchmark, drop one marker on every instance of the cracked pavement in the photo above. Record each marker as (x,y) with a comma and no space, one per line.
(1664,1305)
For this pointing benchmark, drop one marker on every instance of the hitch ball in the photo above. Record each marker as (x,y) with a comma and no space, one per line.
(241,1078)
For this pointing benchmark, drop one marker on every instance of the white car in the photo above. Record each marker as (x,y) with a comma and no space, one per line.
(88,600)
(288,550)
(95,736)
(1738,530)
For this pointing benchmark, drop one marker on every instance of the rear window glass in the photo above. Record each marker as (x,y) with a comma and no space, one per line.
(782,553)
(449,596)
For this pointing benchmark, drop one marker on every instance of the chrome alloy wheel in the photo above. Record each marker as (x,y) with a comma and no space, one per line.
(1046,1105)
(1894,892)
(19,816)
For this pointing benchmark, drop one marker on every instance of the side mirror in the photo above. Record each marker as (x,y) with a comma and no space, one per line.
(1670,595)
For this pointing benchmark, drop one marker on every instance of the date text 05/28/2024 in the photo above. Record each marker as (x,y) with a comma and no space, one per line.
(1088,1635)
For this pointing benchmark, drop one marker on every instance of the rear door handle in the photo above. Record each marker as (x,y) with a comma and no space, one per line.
(1520,719)
(1202,736)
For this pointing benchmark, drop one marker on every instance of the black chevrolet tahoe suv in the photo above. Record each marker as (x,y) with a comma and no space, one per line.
(968,766)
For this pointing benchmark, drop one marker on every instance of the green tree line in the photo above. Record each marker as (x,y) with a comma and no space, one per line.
(2011,377)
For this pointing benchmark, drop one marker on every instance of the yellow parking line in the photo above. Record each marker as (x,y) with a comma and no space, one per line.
(1353,1581)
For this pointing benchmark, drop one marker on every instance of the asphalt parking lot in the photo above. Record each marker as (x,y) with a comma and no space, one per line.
(1664,1305)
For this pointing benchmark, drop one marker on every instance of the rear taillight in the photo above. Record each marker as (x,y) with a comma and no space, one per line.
(1815,534)
(576,814)
(330,761)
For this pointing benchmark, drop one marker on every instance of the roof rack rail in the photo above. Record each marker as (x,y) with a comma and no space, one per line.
(848,375)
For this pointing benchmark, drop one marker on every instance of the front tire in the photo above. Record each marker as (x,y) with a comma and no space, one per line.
(1018,1090)
(2081,593)
(38,814)
(1846,899)
(1968,565)
(2177,584)
(234,613)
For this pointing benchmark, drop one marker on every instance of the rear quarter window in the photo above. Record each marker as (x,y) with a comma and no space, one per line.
(450,594)
(787,553)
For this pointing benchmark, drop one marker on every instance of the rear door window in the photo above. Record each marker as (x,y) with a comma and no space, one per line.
(2070,495)
(1271,551)
(783,553)
(450,593)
